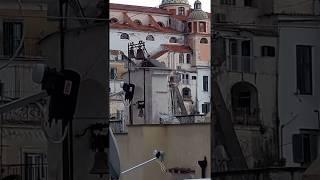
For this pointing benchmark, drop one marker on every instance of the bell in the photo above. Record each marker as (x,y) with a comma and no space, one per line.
(100,165)
(140,54)
(131,53)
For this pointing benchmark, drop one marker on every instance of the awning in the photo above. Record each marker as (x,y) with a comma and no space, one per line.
(313,172)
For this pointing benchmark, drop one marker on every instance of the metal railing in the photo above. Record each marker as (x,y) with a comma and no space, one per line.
(237,63)
(31,48)
(244,116)
(25,171)
(116,123)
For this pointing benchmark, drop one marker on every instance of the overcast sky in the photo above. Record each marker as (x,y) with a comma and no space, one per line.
(156,3)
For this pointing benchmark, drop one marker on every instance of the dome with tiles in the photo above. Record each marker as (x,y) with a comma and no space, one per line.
(165,2)
(197,13)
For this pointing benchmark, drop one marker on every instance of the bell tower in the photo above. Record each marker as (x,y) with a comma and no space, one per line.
(198,29)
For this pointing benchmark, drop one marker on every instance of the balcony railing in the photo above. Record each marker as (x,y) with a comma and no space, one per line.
(190,119)
(243,116)
(25,171)
(116,123)
(31,48)
(240,64)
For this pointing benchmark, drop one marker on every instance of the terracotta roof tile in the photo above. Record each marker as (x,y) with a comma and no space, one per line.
(177,48)
(142,28)
(159,54)
(138,8)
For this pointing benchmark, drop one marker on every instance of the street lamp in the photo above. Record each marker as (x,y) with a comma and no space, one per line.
(139,55)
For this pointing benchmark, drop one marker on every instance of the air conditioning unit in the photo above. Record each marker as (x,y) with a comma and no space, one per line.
(304,147)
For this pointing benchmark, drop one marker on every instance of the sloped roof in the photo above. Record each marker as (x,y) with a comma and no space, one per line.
(159,54)
(177,48)
(143,9)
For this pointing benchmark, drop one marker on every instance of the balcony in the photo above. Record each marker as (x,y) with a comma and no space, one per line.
(242,116)
(25,171)
(30,50)
(236,63)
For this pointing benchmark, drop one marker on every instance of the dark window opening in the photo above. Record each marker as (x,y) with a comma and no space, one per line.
(194,77)
(205,83)
(161,24)
(268,51)
(189,27)
(188,58)
(204,41)
(186,92)
(173,40)
(124,36)
(113,73)
(137,22)
(205,108)
(150,38)
(249,3)
(228,2)
(12,36)
(304,69)
(114,20)
(181,11)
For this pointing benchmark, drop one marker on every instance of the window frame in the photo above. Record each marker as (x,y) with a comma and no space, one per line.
(202,29)
(11,43)
(173,40)
(205,41)
(126,36)
(181,58)
(302,74)
(205,83)
(148,38)
(181,11)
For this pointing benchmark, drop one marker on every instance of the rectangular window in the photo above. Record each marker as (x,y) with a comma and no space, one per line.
(35,166)
(205,108)
(304,69)
(113,73)
(181,58)
(205,83)
(249,3)
(194,77)
(202,27)
(181,11)
(268,51)
(12,33)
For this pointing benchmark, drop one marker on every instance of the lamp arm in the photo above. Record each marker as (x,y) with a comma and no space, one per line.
(139,165)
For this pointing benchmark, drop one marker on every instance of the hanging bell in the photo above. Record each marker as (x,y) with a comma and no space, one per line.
(100,165)
(131,53)
(140,54)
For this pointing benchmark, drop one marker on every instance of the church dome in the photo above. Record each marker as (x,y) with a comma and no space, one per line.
(197,13)
(166,2)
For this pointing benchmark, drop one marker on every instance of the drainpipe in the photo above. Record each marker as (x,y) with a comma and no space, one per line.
(279,150)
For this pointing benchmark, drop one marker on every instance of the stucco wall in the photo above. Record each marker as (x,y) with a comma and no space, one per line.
(184,146)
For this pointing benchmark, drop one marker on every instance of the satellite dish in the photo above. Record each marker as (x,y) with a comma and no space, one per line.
(114,160)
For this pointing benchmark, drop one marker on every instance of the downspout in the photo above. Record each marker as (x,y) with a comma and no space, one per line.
(279,150)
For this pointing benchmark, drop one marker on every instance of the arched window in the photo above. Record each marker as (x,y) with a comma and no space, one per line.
(124,36)
(181,58)
(137,22)
(202,27)
(204,41)
(173,40)
(186,92)
(114,20)
(245,106)
(188,58)
(150,38)
(161,24)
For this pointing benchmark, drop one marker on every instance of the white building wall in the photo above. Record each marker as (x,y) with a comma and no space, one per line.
(297,111)
(203,96)
(135,36)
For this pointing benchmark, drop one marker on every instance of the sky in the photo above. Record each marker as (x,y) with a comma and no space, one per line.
(156,3)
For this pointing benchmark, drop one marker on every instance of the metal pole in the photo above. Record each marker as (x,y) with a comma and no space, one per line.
(1,129)
(130,107)
(144,94)
(138,165)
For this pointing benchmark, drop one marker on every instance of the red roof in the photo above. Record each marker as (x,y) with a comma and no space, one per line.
(177,48)
(143,9)
(143,28)
(159,54)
